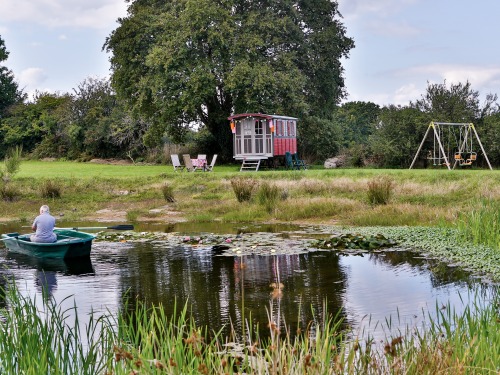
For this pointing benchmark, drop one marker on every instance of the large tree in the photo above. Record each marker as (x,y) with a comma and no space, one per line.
(356,120)
(396,136)
(197,61)
(9,91)
(456,103)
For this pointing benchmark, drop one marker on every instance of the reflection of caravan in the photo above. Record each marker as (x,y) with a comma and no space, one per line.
(258,137)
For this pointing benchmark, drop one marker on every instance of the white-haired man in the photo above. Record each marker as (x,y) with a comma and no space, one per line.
(43,225)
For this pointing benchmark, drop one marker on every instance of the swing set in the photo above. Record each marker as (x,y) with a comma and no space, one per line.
(458,139)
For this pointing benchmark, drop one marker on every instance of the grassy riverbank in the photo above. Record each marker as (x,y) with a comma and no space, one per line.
(419,197)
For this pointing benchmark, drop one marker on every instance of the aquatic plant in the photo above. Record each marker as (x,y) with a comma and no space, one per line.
(354,241)
(444,243)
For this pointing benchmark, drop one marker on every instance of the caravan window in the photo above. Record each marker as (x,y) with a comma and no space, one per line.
(291,128)
(258,127)
(279,128)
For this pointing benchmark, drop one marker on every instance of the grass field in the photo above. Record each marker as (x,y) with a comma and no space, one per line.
(418,197)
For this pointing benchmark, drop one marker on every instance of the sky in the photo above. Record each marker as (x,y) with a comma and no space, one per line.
(401,45)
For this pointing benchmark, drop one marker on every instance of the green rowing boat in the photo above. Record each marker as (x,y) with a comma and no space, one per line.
(70,244)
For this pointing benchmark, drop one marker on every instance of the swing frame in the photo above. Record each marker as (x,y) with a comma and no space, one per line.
(468,128)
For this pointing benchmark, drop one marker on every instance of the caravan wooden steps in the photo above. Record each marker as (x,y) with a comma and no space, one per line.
(250,165)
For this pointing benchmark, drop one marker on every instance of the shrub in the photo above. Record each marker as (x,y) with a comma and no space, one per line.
(50,189)
(168,192)
(243,188)
(268,196)
(380,190)
(8,192)
(12,162)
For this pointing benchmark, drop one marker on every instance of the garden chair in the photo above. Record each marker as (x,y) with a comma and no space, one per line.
(299,163)
(210,167)
(176,163)
(289,164)
(188,163)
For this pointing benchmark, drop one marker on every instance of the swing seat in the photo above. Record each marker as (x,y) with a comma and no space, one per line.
(473,156)
(458,156)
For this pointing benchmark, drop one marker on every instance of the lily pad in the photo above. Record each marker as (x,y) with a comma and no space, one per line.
(354,241)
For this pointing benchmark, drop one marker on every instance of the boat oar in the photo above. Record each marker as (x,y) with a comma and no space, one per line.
(115,227)
(10,238)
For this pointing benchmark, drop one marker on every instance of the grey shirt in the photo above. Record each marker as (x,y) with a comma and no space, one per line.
(44,224)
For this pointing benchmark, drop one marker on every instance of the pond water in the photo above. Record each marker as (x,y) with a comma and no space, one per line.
(395,288)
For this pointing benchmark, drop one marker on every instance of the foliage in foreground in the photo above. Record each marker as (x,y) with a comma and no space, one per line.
(482,225)
(48,339)
(41,341)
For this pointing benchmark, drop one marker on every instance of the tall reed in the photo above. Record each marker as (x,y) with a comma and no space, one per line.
(481,225)
(147,341)
(49,340)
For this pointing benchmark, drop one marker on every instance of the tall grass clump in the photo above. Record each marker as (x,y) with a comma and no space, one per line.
(133,215)
(268,196)
(9,192)
(48,340)
(243,188)
(380,190)
(481,225)
(167,191)
(50,189)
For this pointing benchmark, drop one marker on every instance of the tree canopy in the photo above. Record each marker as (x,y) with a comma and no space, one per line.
(197,61)
(9,91)
(456,103)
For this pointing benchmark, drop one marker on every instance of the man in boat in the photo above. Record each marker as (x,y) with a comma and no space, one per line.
(43,225)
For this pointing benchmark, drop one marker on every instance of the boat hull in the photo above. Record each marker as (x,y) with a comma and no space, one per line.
(69,244)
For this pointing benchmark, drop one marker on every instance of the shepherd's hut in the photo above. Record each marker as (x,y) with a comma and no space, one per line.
(258,137)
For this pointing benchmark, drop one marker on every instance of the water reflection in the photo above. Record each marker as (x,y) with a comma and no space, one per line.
(65,266)
(46,271)
(225,290)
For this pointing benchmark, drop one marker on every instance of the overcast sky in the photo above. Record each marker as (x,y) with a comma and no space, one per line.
(400,44)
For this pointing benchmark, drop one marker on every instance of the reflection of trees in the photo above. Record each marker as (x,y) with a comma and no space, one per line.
(220,289)
(440,273)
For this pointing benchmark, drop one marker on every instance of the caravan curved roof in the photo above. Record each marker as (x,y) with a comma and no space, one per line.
(260,115)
